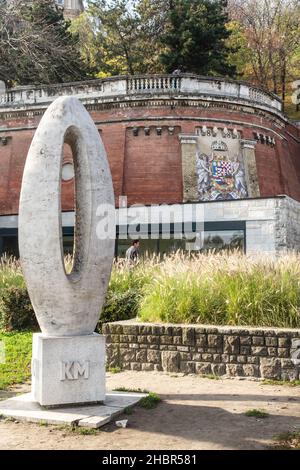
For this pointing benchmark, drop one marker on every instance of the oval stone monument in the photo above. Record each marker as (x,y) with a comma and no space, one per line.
(68,357)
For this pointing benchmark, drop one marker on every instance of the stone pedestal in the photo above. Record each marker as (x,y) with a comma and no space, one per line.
(68,370)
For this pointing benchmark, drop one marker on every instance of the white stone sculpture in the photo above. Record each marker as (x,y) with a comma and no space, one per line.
(68,358)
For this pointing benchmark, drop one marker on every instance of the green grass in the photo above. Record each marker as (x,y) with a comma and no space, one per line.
(150,401)
(257,414)
(130,390)
(287,441)
(16,368)
(210,377)
(293,383)
(114,370)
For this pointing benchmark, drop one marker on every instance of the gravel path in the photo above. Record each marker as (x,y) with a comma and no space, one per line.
(195,413)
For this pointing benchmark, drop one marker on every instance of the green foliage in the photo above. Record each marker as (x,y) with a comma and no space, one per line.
(292,383)
(125,292)
(256,414)
(130,390)
(150,401)
(17,312)
(195,38)
(36,45)
(16,368)
(154,36)
(114,370)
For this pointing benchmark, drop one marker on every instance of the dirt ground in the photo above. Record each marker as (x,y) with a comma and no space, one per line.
(195,413)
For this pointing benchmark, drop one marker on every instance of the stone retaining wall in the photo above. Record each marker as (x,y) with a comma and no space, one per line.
(234,352)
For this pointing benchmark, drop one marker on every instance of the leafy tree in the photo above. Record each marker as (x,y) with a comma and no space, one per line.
(36,45)
(195,37)
(270,32)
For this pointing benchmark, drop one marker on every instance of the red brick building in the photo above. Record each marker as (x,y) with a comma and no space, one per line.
(169,139)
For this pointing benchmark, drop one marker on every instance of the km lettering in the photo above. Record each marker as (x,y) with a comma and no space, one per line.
(74,370)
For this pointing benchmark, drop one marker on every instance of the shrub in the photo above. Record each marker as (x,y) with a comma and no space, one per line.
(17,311)
(119,306)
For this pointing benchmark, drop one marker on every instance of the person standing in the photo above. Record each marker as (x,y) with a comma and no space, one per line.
(132,254)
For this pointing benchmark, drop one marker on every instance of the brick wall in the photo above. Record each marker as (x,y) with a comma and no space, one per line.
(147,168)
(222,351)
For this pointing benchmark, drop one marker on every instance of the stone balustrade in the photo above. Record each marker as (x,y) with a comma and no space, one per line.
(126,88)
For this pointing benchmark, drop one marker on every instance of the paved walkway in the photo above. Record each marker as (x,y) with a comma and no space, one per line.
(195,413)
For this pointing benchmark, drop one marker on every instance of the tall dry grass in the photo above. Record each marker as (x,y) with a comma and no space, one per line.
(214,288)
(224,289)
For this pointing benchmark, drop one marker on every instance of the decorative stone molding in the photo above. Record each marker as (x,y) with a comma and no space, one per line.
(248,149)
(189,159)
(5,140)
(265,139)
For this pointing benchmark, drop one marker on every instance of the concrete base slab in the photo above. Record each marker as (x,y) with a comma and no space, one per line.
(25,408)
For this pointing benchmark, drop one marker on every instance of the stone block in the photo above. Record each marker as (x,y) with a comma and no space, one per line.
(147,367)
(187,367)
(203,368)
(251,370)
(141,356)
(215,341)
(188,336)
(258,341)
(270,368)
(272,352)
(242,359)
(164,339)
(218,369)
(271,341)
(259,351)
(131,330)
(136,366)
(246,350)
(231,345)
(217,358)
(170,361)
(225,358)
(253,360)
(207,357)
(201,341)
(177,340)
(245,340)
(185,356)
(283,352)
(290,374)
(68,370)
(127,355)
(153,356)
(167,331)
(284,342)
(113,356)
(235,370)
(151,339)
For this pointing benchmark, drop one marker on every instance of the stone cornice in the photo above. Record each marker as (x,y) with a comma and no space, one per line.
(188,102)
